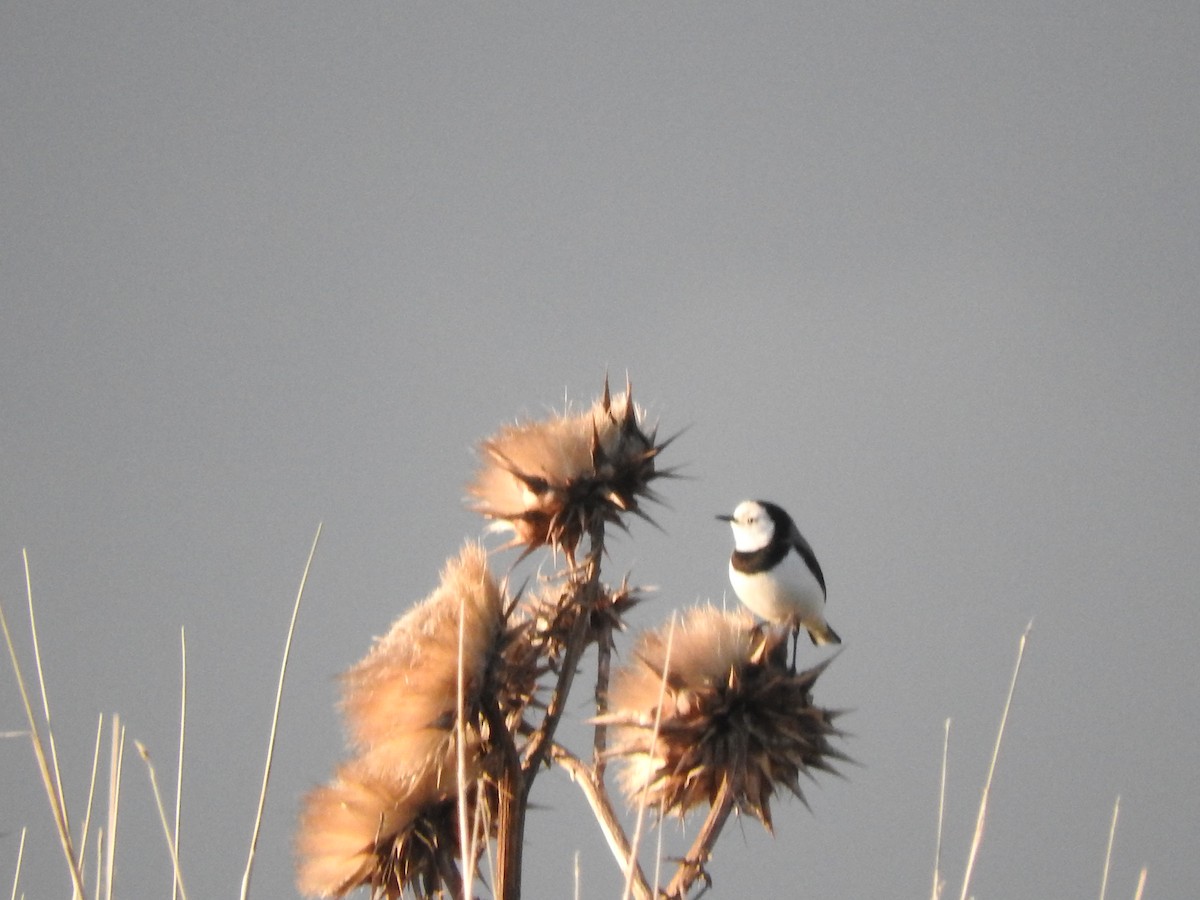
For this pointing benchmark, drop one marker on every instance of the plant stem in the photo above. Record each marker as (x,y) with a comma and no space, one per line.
(618,843)
(583,594)
(691,867)
(603,671)
(510,826)
(517,782)
(266,779)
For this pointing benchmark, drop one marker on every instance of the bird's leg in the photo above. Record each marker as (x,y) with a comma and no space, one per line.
(795,647)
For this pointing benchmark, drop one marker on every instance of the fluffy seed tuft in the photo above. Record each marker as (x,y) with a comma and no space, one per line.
(389,818)
(400,700)
(549,481)
(386,834)
(731,710)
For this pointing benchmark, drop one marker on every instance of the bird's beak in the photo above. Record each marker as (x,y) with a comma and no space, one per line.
(725,518)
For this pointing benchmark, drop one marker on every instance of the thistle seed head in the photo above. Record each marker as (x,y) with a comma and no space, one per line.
(731,710)
(549,481)
(388,820)
(400,700)
(386,834)
(549,615)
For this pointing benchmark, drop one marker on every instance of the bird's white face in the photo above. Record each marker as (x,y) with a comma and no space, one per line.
(752,527)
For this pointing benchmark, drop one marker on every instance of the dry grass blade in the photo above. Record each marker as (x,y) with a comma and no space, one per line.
(658,848)
(91,795)
(37,661)
(53,793)
(977,838)
(116,758)
(162,817)
(938,881)
(17,871)
(177,889)
(1141,885)
(1112,834)
(466,831)
(645,794)
(287,649)
(99,862)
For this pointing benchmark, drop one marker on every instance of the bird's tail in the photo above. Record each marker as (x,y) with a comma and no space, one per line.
(820,633)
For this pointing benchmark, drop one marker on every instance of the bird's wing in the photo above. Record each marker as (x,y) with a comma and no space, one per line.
(806,551)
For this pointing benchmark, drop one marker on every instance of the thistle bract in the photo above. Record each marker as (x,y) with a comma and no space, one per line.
(388,820)
(550,481)
(731,712)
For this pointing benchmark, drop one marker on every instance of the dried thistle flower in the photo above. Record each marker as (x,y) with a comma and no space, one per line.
(366,830)
(731,711)
(400,700)
(550,615)
(389,818)
(549,481)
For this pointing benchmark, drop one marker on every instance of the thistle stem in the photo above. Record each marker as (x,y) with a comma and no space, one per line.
(603,672)
(517,782)
(448,871)
(606,818)
(583,593)
(691,867)
(510,827)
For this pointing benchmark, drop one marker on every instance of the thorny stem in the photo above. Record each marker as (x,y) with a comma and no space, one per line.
(448,871)
(603,670)
(517,782)
(691,867)
(597,797)
(511,813)
(584,594)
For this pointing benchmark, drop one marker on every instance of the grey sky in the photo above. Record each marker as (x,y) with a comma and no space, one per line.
(926,275)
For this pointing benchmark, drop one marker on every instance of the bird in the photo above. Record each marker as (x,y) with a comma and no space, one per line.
(775,573)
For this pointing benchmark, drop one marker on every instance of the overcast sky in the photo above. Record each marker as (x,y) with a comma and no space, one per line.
(926,275)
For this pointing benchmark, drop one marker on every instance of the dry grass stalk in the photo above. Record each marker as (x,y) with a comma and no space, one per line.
(176,889)
(1112,834)
(977,837)
(115,760)
(162,816)
(644,796)
(17,868)
(50,779)
(37,661)
(266,780)
(91,794)
(466,836)
(938,882)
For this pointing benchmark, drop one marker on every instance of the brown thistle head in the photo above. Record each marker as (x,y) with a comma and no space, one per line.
(388,820)
(366,830)
(550,481)
(400,700)
(731,711)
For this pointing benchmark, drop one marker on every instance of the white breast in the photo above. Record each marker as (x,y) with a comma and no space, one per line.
(788,593)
